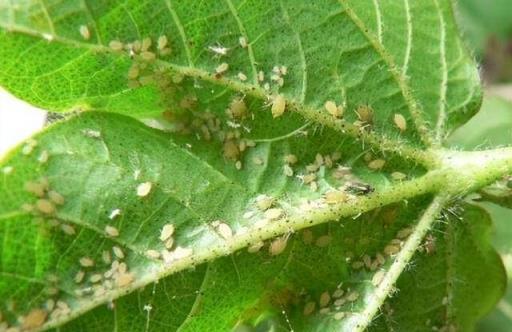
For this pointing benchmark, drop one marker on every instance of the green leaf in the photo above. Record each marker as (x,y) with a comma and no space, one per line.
(382,44)
(102,184)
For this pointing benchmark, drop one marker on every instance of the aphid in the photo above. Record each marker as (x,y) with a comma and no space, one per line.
(257,161)
(242,77)
(148,56)
(55,197)
(79,276)
(111,231)
(339,315)
(323,241)
(106,257)
(243,42)
(390,249)
(181,252)
(143,189)
(378,277)
(114,213)
(324,311)
(264,202)
(166,232)
(351,297)
(237,109)
(45,206)
(95,278)
(43,157)
(222,68)
(365,114)
(400,121)
(398,176)
(86,262)
(358,188)
(116,45)
(146,44)
(255,247)
(376,164)
(124,279)
(335,197)
(324,300)
(274,213)
(307,236)
(261,76)
(219,50)
(290,159)
(231,150)
(309,178)
(357,265)
(133,72)
(278,106)
(404,233)
(162,42)
(152,254)
(335,111)
(238,165)
(68,229)
(169,243)
(36,188)
(224,230)
(380,259)
(338,293)
(84,32)
(287,170)
(278,245)
(430,244)
(91,133)
(118,252)
(309,308)
(34,319)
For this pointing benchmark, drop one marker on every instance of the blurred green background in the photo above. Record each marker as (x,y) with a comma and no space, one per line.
(486,26)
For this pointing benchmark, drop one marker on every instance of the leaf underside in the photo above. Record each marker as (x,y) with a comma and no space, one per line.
(392,57)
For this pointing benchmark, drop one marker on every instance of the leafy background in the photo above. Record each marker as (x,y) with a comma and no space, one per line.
(498,318)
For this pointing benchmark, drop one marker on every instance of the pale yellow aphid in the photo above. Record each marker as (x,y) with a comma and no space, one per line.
(278,106)
(68,229)
(309,308)
(339,315)
(118,252)
(404,233)
(365,114)
(148,56)
(273,213)
(162,42)
(398,176)
(222,68)
(116,45)
(309,178)
(55,197)
(352,296)
(243,42)
(357,265)
(84,32)
(224,231)
(146,44)
(36,188)
(231,150)
(166,232)
(181,252)
(43,157)
(335,197)
(111,231)
(169,243)
(86,262)
(95,278)
(124,279)
(255,247)
(278,245)
(323,241)
(114,213)
(261,76)
(34,319)
(134,71)
(400,121)
(264,202)
(242,77)
(257,161)
(335,111)
(338,293)
(378,277)
(45,206)
(376,164)
(143,189)
(324,300)
(152,254)
(237,108)
(290,159)
(79,276)
(287,170)
(390,250)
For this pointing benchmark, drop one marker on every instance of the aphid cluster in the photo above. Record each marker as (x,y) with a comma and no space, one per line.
(331,303)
